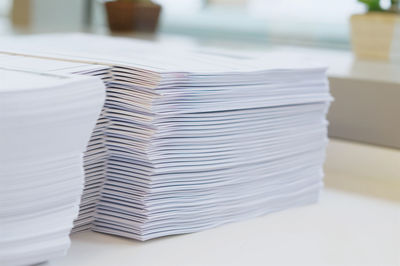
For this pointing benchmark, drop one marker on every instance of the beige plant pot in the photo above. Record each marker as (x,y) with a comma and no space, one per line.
(376,36)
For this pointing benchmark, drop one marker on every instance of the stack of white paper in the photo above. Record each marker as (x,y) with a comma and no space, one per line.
(95,155)
(196,138)
(202,149)
(45,124)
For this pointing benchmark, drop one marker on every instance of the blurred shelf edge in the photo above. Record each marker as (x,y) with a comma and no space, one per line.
(365,111)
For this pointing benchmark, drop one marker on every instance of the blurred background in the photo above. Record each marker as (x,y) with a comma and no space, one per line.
(300,22)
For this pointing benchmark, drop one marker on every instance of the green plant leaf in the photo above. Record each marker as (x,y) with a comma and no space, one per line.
(373,5)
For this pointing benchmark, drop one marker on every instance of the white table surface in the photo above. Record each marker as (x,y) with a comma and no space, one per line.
(356,222)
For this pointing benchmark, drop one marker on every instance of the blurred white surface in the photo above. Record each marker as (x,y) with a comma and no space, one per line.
(344,228)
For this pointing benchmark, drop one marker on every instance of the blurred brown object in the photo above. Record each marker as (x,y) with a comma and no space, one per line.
(376,35)
(21,13)
(132,16)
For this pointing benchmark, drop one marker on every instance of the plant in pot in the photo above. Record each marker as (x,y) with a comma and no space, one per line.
(376,34)
(132,15)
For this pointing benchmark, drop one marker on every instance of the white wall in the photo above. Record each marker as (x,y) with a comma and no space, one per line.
(58,14)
